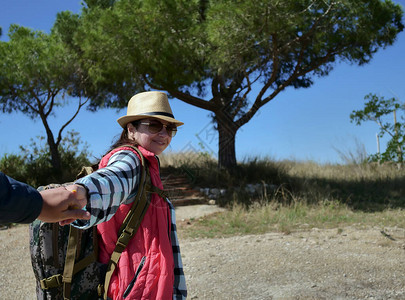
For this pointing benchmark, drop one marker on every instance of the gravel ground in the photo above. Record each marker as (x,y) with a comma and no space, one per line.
(314,264)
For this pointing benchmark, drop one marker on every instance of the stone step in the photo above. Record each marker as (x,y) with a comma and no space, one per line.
(184,194)
(180,190)
(188,201)
(175,180)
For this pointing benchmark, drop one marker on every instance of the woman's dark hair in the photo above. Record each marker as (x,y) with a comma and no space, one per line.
(121,141)
(124,139)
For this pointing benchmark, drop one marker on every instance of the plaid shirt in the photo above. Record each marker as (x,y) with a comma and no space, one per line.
(114,185)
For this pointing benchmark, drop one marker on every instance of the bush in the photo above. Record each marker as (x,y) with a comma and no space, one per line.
(203,172)
(33,165)
(366,186)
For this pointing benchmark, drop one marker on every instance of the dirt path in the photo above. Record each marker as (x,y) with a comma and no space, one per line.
(318,264)
(315,264)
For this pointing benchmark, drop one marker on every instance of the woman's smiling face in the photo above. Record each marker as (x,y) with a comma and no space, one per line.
(153,142)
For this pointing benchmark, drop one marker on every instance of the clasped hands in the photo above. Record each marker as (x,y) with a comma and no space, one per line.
(64,204)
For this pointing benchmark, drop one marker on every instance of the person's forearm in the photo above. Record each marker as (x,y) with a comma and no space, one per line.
(19,202)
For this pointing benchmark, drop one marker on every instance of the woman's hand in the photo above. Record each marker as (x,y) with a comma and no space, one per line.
(63,205)
(80,195)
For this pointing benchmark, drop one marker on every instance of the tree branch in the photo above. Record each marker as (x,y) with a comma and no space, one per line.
(52,99)
(184,97)
(296,73)
(258,102)
(214,90)
(310,31)
(189,99)
(13,92)
(71,119)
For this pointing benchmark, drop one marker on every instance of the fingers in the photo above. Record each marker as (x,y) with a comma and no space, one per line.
(74,210)
(78,214)
(66,222)
(64,204)
(71,215)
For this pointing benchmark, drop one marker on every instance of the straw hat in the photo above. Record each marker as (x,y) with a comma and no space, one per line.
(148,104)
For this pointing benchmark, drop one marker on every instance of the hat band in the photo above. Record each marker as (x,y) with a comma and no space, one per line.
(160,113)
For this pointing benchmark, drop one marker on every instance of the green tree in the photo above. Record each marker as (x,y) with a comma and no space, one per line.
(378,109)
(37,74)
(228,57)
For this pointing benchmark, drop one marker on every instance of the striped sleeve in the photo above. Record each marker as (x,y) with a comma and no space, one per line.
(179,287)
(111,186)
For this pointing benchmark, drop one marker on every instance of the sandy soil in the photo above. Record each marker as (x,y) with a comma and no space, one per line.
(314,264)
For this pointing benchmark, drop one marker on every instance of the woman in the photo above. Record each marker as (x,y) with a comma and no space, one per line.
(149,125)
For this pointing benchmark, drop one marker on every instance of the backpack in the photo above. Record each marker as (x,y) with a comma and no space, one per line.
(64,258)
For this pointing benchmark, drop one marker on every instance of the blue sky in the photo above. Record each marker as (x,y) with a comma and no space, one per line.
(303,124)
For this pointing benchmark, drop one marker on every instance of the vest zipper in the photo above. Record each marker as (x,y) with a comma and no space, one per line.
(131,284)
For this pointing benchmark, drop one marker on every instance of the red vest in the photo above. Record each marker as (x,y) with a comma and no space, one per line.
(152,240)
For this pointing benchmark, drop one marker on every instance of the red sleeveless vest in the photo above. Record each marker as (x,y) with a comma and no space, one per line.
(151,242)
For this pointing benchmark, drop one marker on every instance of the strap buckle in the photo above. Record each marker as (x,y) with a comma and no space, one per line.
(51,282)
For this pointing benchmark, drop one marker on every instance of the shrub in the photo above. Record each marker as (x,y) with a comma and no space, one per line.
(366,186)
(33,164)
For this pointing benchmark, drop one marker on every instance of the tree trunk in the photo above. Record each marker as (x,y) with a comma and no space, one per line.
(226,147)
(55,157)
(53,149)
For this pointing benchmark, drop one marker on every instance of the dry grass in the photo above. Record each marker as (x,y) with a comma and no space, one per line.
(360,186)
(307,195)
(355,172)
(180,159)
(274,217)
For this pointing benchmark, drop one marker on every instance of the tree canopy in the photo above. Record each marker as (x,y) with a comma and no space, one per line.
(225,56)
(379,110)
(37,74)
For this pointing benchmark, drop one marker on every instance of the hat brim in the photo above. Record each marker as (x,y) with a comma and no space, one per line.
(123,121)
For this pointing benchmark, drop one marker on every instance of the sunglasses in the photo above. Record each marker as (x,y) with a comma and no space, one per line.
(156,127)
